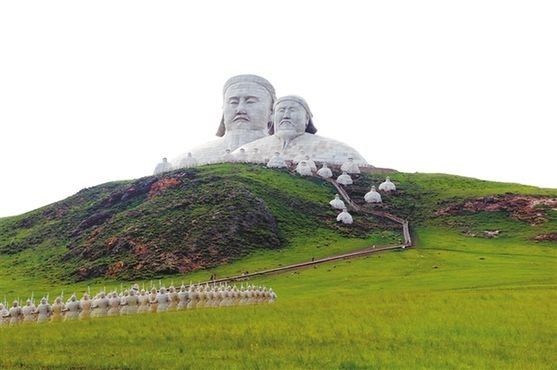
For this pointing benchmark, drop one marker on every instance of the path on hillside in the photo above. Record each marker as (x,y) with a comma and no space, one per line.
(355,254)
(368,210)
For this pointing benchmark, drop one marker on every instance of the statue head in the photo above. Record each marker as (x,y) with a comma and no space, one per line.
(292,117)
(247,104)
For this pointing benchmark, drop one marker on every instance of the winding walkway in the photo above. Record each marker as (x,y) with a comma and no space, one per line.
(359,253)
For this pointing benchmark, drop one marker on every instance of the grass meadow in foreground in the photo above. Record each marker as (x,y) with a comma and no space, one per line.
(452,302)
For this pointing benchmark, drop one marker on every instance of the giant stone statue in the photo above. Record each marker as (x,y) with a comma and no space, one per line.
(247,110)
(294,133)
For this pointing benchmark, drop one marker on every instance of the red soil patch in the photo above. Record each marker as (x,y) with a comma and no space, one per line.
(163,184)
(525,208)
(550,237)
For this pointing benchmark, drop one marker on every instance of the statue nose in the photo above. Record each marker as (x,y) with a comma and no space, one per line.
(241,108)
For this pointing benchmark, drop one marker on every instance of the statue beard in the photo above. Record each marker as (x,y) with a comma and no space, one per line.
(287,136)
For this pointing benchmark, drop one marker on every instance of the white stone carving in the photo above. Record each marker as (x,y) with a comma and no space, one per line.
(345,217)
(163,167)
(241,156)
(350,167)
(337,203)
(303,169)
(372,196)
(188,162)
(227,157)
(255,157)
(387,185)
(247,109)
(277,161)
(310,163)
(325,172)
(299,157)
(294,134)
(344,179)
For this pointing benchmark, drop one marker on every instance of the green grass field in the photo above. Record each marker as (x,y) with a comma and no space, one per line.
(452,302)
(485,305)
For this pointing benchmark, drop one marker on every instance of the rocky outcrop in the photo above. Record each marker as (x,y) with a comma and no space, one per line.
(530,209)
(549,237)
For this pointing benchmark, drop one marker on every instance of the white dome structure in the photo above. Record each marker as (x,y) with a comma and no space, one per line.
(311,164)
(163,167)
(255,157)
(373,196)
(325,172)
(350,167)
(345,217)
(303,169)
(337,203)
(387,185)
(227,157)
(345,179)
(300,157)
(277,161)
(241,156)
(188,162)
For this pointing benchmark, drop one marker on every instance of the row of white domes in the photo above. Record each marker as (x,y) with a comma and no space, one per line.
(242,157)
(372,196)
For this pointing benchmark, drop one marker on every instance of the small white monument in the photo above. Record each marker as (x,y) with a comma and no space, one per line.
(303,169)
(163,167)
(255,157)
(188,162)
(325,172)
(350,167)
(344,179)
(345,217)
(387,185)
(372,196)
(310,163)
(227,157)
(241,156)
(337,203)
(276,161)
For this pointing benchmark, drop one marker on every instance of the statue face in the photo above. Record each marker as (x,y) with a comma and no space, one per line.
(247,106)
(290,119)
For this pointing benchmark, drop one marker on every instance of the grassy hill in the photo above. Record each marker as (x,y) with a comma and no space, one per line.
(459,299)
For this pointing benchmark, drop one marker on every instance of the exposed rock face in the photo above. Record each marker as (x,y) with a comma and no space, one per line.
(550,237)
(525,208)
(211,225)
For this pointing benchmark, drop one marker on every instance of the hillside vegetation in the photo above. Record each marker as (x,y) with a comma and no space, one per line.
(477,291)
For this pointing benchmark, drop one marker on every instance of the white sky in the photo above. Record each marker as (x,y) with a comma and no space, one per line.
(94,91)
